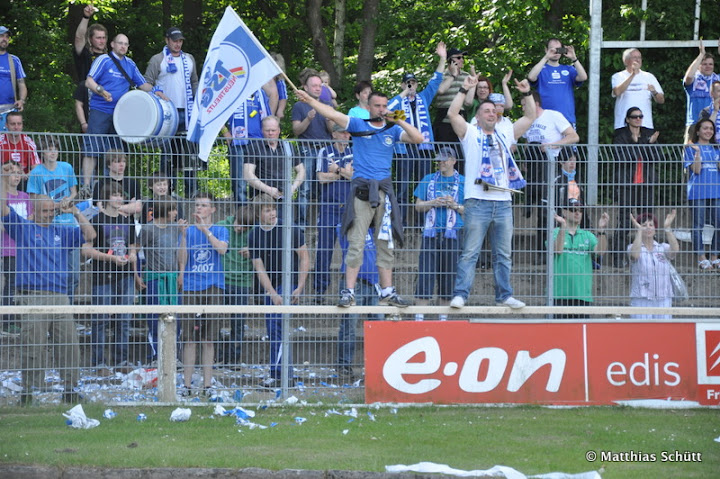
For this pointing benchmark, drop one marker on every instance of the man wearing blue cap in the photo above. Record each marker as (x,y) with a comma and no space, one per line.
(13,91)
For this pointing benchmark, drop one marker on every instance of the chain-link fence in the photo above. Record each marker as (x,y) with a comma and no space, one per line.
(88,297)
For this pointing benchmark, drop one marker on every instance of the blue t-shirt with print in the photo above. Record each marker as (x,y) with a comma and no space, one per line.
(372,154)
(204,267)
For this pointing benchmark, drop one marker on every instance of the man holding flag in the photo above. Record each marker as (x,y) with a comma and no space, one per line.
(371,201)
(236,66)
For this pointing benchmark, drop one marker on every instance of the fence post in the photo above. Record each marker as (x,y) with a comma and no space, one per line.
(167,352)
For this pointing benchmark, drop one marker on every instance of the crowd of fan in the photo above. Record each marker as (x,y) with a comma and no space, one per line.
(454,174)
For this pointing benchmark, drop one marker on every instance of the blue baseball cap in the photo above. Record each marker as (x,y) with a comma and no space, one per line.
(4,30)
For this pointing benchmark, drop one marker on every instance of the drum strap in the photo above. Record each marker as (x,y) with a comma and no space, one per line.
(122,70)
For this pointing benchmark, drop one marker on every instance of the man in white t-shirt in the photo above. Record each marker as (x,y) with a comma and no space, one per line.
(550,131)
(173,72)
(635,87)
(488,210)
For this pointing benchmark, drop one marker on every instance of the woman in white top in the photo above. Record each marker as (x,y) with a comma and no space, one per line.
(651,286)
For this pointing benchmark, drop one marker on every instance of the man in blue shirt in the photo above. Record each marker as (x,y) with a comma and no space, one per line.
(42,280)
(13,91)
(556,82)
(108,84)
(698,80)
(371,191)
(416,161)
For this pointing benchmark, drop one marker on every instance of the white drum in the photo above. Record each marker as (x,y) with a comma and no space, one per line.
(140,117)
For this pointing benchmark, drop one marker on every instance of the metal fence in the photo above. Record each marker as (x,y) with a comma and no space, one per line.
(310,346)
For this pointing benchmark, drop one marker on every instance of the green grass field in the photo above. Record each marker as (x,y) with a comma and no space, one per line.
(530,439)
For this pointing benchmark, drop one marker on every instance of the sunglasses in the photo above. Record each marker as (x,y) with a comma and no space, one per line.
(635,117)
(575,210)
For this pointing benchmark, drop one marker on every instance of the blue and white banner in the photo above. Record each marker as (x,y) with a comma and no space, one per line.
(236,66)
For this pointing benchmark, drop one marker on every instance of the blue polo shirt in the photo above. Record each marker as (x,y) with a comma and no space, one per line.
(373,154)
(42,259)
(105,73)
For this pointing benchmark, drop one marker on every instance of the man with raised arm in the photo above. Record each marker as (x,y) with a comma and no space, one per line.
(371,194)
(490,174)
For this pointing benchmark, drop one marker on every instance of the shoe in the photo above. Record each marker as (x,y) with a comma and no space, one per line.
(512,303)
(393,299)
(704,264)
(347,299)
(457,302)
(269,383)
(26,398)
(211,393)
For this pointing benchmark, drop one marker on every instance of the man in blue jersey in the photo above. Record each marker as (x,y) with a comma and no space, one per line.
(556,82)
(13,91)
(698,81)
(415,162)
(42,280)
(371,193)
(108,84)
(334,172)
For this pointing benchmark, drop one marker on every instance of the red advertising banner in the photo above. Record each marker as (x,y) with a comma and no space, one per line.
(552,363)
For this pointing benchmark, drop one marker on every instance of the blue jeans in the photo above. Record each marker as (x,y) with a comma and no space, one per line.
(239,186)
(329,217)
(119,292)
(700,210)
(307,189)
(365,295)
(8,291)
(438,261)
(273,323)
(481,217)
(235,296)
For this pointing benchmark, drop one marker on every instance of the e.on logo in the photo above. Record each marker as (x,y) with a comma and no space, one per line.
(407,377)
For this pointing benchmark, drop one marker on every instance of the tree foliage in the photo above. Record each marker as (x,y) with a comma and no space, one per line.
(497,34)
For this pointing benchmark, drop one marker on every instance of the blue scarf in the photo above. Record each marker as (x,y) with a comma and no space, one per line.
(257,104)
(487,173)
(172,68)
(421,119)
(451,218)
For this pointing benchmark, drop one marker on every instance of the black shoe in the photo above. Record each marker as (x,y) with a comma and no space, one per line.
(26,398)
(347,299)
(393,299)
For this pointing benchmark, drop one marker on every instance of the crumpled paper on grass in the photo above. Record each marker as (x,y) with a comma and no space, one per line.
(495,471)
(77,418)
(181,415)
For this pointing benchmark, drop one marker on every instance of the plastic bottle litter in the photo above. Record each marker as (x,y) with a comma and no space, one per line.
(300,420)
(109,414)
(180,415)
(141,417)
(76,418)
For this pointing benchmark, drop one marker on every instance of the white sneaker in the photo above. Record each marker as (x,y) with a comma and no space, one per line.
(512,303)
(458,302)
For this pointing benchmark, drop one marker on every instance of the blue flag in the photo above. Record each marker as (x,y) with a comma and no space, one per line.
(236,66)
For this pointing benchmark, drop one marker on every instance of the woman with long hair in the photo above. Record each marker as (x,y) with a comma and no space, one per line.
(701,159)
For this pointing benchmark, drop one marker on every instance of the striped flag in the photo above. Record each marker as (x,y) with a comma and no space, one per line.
(236,66)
